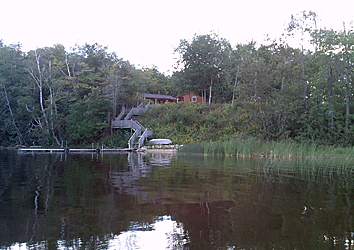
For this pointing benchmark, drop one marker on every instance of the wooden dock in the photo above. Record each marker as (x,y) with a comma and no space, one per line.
(76,150)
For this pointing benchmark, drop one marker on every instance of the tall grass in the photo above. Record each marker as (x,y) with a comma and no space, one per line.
(252,147)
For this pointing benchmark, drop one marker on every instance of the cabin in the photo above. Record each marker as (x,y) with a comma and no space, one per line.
(189,98)
(157,98)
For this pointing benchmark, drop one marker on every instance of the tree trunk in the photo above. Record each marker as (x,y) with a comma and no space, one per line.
(304,82)
(255,96)
(347,102)
(329,99)
(211,86)
(347,70)
(115,96)
(40,77)
(235,85)
(19,134)
(204,96)
(282,116)
(282,83)
(67,65)
(39,82)
(53,116)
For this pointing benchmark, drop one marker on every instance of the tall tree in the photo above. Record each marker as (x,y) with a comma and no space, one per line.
(87,118)
(301,25)
(346,43)
(42,68)
(11,82)
(122,85)
(334,57)
(204,62)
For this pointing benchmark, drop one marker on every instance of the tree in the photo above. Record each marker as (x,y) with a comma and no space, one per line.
(43,68)
(87,118)
(152,81)
(332,80)
(264,86)
(11,82)
(122,85)
(204,62)
(303,23)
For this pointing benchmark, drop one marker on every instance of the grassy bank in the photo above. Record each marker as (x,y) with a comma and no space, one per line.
(252,147)
(185,124)
(231,130)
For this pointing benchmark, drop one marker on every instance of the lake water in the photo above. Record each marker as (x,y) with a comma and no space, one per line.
(169,201)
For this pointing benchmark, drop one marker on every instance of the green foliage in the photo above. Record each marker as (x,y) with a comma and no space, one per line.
(87,119)
(270,92)
(12,80)
(49,95)
(205,62)
(118,139)
(185,123)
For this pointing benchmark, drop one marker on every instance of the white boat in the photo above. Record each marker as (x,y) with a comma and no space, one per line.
(160,141)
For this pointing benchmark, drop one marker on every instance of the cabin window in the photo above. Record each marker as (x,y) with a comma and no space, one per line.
(194,99)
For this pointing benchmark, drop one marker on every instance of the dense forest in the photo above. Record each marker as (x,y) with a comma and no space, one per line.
(271,90)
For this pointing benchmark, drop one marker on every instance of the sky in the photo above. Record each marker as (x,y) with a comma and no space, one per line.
(147,32)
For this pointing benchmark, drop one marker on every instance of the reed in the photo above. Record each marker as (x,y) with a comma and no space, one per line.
(252,147)
(310,167)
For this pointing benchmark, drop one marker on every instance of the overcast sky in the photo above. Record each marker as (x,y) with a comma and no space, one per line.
(146,32)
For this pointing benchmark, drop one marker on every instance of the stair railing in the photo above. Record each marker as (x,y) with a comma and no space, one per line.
(121,114)
(129,115)
(147,106)
(133,138)
(142,138)
(140,126)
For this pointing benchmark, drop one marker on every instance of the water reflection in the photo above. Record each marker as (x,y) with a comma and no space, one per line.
(129,201)
(123,180)
(164,233)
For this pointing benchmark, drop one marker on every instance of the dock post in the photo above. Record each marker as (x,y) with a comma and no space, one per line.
(66,149)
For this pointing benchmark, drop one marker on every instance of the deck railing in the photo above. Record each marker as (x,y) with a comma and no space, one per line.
(122,124)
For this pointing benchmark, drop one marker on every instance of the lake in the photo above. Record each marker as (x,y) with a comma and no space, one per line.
(172,201)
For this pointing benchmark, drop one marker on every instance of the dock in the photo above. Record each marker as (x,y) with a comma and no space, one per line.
(77,150)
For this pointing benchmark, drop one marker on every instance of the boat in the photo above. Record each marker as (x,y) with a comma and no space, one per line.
(160,141)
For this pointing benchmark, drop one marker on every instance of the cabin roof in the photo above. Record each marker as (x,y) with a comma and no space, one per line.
(158,96)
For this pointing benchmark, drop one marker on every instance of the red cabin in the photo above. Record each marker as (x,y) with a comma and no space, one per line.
(189,98)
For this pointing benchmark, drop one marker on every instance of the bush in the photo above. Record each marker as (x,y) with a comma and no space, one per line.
(119,139)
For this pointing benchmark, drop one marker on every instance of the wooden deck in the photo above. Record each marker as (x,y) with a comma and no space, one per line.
(62,150)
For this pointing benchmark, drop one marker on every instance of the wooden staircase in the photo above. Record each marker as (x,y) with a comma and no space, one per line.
(124,120)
